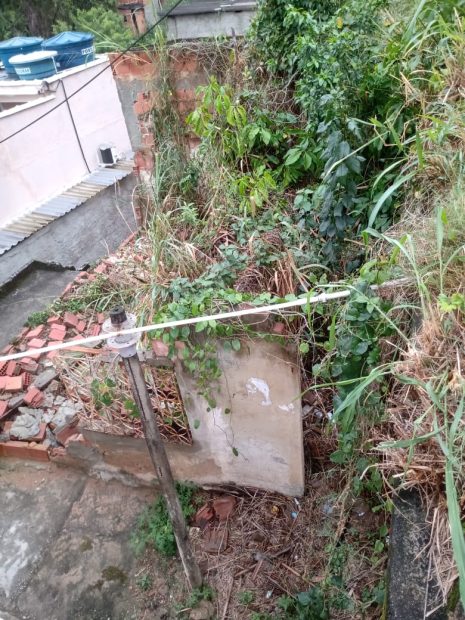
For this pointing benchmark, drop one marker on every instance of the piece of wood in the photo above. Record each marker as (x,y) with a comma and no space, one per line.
(162,467)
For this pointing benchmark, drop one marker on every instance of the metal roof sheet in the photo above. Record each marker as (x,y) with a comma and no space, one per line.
(92,184)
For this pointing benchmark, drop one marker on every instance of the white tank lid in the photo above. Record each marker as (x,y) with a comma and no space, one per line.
(22,59)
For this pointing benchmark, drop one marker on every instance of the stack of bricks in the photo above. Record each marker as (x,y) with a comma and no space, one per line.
(23,381)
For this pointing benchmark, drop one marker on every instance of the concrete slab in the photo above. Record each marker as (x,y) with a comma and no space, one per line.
(65,549)
(32,292)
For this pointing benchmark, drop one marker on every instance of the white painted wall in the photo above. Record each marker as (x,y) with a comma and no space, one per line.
(45,159)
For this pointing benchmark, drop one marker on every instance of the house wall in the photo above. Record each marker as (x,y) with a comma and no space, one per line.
(258,413)
(45,159)
(207,25)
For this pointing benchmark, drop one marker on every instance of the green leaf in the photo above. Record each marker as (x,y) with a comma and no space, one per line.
(387,194)
(236,344)
(304,347)
(196,424)
(235,451)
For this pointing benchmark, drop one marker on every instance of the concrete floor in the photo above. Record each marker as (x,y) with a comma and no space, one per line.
(32,292)
(65,544)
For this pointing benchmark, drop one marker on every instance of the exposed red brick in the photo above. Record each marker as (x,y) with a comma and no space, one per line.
(100,317)
(33,397)
(59,327)
(223,506)
(66,432)
(35,333)
(11,384)
(160,348)
(143,160)
(144,103)
(23,450)
(135,66)
(53,319)
(51,354)
(70,319)
(29,365)
(68,288)
(37,343)
(27,379)
(81,326)
(3,366)
(57,334)
(279,328)
(83,274)
(8,349)
(3,407)
(12,368)
(131,237)
(102,268)
(35,356)
(94,330)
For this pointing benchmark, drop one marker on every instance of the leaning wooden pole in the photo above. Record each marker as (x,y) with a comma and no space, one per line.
(127,350)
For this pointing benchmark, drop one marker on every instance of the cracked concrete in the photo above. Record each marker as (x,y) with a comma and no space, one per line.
(65,549)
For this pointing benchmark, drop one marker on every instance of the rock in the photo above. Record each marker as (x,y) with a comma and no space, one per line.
(48,401)
(53,387)
(203,611)
(65,413)
(27,424)
(59,400)
(45,377)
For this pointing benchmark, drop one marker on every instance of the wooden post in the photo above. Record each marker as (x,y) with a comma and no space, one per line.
(163,469)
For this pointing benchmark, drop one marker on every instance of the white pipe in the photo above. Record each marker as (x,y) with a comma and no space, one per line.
(322,298)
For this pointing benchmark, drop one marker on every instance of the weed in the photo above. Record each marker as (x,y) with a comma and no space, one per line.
(37,318)
(154,526)
(144,582)
(245,597)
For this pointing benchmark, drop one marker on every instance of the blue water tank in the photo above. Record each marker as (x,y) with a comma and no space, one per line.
(17,45)
(73,48)
(34,66)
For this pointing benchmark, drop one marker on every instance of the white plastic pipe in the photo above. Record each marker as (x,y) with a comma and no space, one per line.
(322,298)
(302,301)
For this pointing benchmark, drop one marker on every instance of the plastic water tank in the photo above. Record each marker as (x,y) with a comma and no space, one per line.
(73,48)
(34,66)
(17,45)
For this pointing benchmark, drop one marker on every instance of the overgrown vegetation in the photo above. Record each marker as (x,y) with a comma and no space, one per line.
(331,155)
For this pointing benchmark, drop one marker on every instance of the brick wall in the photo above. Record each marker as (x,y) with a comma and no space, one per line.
(137,77)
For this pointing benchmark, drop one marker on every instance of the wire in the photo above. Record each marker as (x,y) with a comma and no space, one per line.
(115,60)
(74,126)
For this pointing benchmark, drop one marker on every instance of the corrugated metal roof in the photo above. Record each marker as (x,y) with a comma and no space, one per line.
(91,185)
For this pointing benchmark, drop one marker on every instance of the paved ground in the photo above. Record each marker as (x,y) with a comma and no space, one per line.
(65,551)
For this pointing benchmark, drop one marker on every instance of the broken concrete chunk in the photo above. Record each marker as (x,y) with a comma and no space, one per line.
(27,424)
(45,377)
(65,413)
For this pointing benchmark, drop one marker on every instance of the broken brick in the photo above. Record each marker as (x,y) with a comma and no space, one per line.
(53,319)
(94,330)
(29,365)
(3,367)
(100,317)
(51,354)
(27,379)
(223,506)
(70,320)
(33,397)
(81,326)
(8,349)
(34,333)
(101,268)
(66,432)
(203,516)
(57,335)
(23,450)
(12,369)
(160,348)
(11,384)
(58,327)
(3,408)
(279,328)
(37,343)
